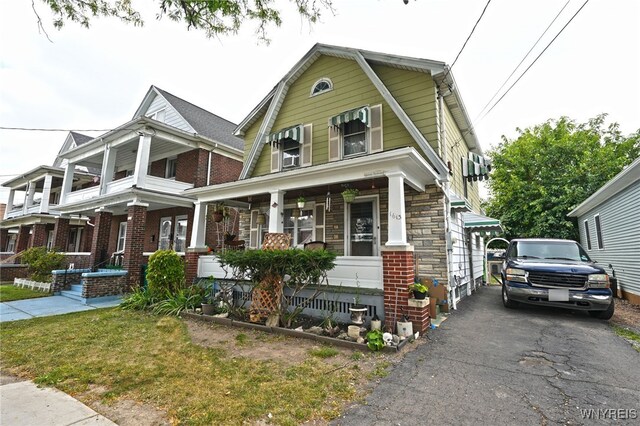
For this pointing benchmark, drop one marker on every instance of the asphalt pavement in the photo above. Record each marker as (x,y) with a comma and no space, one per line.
(488,365)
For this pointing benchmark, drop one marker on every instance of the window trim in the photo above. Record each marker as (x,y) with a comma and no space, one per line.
(587,234)
(122,236)
(327,80)
(599,238)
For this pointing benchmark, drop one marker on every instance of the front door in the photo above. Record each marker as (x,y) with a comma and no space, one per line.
(180,240)
(164,242)
(362,228)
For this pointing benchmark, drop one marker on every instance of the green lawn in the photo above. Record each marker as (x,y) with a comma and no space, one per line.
(8,293)
(629,335)
(151,359)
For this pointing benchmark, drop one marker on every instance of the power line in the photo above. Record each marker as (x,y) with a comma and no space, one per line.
(467,40)
(522,60)
(536,59)
(31,129)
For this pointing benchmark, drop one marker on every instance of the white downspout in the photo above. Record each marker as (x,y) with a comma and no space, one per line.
(442,142)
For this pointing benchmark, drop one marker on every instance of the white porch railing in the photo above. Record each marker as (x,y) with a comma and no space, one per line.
(166,185)
(350,271)
(82,194)
(119,185)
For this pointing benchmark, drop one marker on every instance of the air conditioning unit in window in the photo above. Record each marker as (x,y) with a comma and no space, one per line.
(290,161)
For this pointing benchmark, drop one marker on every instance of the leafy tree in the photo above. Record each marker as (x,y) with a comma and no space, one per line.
(41,262)
(215,17)
(538,178)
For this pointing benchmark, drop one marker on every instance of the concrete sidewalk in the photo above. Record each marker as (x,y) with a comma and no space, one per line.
(47,306)
(24,403)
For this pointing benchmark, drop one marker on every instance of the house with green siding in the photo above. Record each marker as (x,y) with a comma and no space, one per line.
(393,128)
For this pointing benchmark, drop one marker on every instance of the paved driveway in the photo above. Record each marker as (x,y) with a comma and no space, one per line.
(46,306)
(490,365)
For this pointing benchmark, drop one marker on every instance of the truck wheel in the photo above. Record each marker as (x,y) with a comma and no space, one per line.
(508,303)
(606,314)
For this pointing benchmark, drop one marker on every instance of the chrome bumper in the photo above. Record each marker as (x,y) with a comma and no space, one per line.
(588,300)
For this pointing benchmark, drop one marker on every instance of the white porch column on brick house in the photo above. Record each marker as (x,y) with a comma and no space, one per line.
(46,194)
(199,225)
(108,167)
(397,231)
(142,160)
(28,200)
(12,194)
(67,182)
(276,214)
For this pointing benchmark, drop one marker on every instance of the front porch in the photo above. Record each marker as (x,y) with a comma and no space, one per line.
(392,230)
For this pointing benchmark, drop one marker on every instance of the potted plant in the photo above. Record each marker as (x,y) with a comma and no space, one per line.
(218,213)
(208,303)
(357,310)
(419,291)
(350,194)
(301,200)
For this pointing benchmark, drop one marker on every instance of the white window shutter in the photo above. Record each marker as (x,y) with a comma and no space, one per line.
(275,157)
(319,218)
(376,128)
(307,137)
(334,142)
(253,229)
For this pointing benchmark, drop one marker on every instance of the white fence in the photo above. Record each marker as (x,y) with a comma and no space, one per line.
(33,285)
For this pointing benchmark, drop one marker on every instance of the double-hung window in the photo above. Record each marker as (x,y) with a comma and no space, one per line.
(122,234)
(170,171)
(300,227)
(290,147)
(354,139)
(355,132)
(290,153)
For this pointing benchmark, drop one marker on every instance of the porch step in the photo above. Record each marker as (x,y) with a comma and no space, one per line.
(76,288)
(75,295)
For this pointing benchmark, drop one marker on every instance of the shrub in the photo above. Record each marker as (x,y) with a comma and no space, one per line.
(141,298)
(41,262)
(165,273)
(175,303)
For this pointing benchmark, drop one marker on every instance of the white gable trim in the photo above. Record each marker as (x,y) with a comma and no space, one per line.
(148,100)
(69,143)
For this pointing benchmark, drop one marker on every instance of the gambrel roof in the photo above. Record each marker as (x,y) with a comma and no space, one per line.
(270,105)
(198,120)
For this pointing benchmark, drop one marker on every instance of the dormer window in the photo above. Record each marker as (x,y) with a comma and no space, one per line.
(321,86)
(157,115)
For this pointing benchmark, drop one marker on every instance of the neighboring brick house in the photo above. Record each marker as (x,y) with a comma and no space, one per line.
(393,127)
(123,190)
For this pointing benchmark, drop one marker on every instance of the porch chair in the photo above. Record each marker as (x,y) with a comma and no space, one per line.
(265,300)
(315,245)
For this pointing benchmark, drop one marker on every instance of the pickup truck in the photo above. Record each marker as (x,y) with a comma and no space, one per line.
(552,272)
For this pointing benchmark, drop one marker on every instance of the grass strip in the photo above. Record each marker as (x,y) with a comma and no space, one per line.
(9,293)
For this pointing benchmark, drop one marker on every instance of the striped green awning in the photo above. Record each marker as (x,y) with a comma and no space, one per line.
(294,133)
(458,204)
(361,114)
(477,222)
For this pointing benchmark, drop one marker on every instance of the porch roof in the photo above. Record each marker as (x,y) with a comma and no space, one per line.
(418,173)
(476,222)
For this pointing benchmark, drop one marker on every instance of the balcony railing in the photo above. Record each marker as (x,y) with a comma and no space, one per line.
(82,194)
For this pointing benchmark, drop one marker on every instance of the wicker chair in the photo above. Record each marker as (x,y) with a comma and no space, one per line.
(315,245)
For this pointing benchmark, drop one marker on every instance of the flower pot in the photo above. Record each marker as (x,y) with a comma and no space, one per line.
(217,216)
(358,313)
(353,331)
(208,308)
(419,295)
(349,197)
(376,325)
(301,204)
(405,329)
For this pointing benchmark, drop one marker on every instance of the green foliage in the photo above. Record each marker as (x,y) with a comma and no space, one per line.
(374,340)
(216,18)
(420,288)
(41,262)
(324,352)
(183,299)
(139,299)
(538,178)
(165,273)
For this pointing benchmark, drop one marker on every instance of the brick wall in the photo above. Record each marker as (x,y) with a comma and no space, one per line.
(79,261)
(22,242)
(10,271)
(224,169)
(64,280)
(191,167)
(100,242)
(38,235)
(158,168)
(134,246)
(103,286)
(4,239)
(61,233)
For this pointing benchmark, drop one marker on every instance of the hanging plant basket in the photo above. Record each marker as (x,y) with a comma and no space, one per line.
(217,216)
(261,219)
(349,195)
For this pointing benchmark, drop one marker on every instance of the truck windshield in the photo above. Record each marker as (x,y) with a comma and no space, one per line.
(559,250)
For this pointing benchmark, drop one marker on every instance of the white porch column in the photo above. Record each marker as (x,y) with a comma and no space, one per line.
(199,225)
(12,194)
(276,214)
(28,198)
(397,232)
(108,167)
(142,160)
(46,194)
(67,182)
